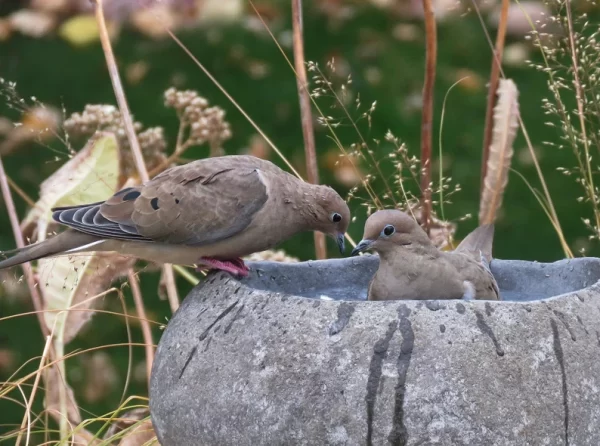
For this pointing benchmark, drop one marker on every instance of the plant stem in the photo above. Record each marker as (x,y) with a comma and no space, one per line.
(233,101)
(308,133)
(146,332)
(14,222)
(36,382)
(427,112)
(579,95)
(113,71)
(171,288)
(136,151)
(492,89)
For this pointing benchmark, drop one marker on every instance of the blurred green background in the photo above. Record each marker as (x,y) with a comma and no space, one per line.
(383,52)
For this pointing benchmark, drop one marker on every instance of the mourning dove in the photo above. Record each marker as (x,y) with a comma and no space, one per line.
(411,267)
(210,212)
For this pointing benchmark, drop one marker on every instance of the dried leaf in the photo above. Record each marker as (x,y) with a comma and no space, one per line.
(91,175)
(70,283)
(506,124)
(140,435)
(53,382)
(133,428)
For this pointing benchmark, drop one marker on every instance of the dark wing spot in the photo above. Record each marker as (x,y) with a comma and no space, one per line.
(154,203)
(131,195)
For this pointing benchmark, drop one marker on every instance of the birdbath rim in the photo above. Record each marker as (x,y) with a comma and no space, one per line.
(347,279)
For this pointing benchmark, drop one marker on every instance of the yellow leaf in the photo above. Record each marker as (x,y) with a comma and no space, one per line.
(80,30)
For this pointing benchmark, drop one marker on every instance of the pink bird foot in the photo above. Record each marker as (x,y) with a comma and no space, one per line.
(233,266)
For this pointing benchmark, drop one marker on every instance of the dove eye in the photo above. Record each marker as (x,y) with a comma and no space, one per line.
(388,230)
(336,218)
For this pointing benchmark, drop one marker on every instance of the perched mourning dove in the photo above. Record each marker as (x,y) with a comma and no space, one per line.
(209,212)
(411,267)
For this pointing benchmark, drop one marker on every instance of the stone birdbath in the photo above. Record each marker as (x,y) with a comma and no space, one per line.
(294,355)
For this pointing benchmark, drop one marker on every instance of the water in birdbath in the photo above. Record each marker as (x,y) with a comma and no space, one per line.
(348,279)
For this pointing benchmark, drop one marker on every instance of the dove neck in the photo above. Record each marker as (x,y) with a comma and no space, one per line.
(407,252)
(307,205)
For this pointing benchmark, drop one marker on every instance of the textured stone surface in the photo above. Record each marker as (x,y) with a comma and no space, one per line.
(265,361)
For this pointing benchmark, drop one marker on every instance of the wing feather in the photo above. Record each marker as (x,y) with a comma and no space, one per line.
(195,204)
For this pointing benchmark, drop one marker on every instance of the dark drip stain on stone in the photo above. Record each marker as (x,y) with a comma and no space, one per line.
(399,435)
(434,305)
(201,313)
(233,319)
(442,328)
(187,361)
(207,344)
(265,303)
(563,318)
(344,313)
(460,308)
(558,351)
(219,317)
(580,297)
(582,325)
(486,329)
(375,367)
(488,309)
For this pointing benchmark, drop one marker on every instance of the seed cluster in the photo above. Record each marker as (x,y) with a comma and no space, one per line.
(200,123)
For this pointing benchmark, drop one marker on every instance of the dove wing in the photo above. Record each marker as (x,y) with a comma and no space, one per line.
(196,204)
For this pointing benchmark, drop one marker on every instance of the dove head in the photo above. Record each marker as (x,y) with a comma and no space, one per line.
(389,230)
(330,215)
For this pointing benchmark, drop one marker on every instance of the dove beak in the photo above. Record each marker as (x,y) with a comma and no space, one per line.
(340,239)
(362,246)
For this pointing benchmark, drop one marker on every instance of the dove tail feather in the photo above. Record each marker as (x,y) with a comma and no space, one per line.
(63,242)
(479,242)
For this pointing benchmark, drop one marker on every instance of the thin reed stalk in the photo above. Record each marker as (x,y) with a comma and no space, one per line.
(312,168)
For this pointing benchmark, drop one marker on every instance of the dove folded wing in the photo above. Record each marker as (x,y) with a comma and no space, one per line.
(195,205)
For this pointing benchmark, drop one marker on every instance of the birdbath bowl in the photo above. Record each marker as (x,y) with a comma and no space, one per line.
(271,360)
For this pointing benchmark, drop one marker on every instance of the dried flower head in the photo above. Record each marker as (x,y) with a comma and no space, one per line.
(108,118)
(200,123)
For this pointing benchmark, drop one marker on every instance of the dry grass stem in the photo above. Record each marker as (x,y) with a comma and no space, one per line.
(427,113)
(308,133)
(171,288)
(549,208)
(113,70)
(233,101)
(20,192)
(141,311)
(36,383)
(493,87)
(14,222)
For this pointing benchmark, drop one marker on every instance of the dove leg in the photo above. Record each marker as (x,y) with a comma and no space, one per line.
(234,266)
